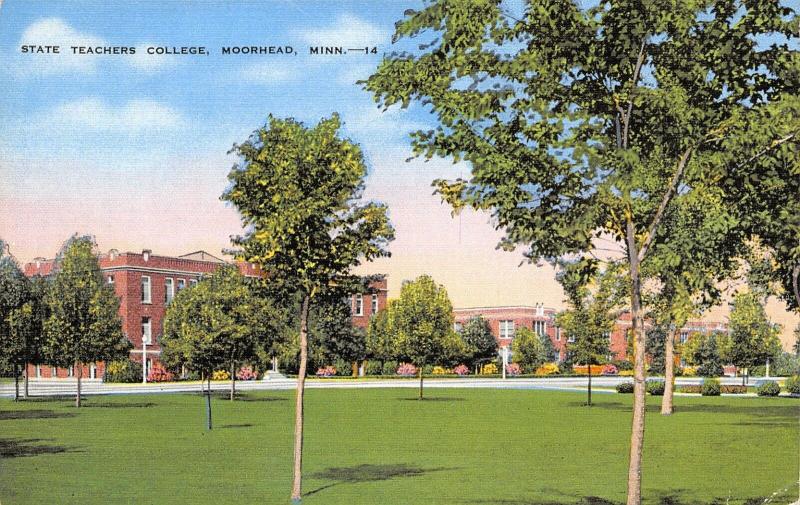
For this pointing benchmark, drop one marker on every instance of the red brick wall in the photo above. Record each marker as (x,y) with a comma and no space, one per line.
(380,289)
(522,317)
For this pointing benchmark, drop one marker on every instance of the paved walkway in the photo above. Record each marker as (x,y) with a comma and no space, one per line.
(57,387)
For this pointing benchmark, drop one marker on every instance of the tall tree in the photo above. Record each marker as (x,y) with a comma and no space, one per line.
(754,339)
(298,191)
(585,121)
(422,319)
(527,349)
(479,338)
(83,325)
(14,293)
(332,333)
(381,342)
(594,300)
(26,325)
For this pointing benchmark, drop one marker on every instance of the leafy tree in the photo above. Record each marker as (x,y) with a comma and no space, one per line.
(478,337)
(527,349)
(657,338)
(548,349)
(422,319)
(26,325)
(297,190)
(708,356)
(381,342)
(83,325)
(796,346)
(594,299)
(585,121)
(332,333)
(754,339)
(14,293)
(455,350)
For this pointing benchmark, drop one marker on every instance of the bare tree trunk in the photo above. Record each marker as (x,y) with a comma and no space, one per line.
(637,424)
(79,373)
(669,372)
(420,383)
(233,379)
(16,382)
(25,389)
(589,369)
(298,419)
(354,368)
(208,404)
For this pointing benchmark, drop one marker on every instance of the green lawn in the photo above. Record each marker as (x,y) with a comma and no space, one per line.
(379,446)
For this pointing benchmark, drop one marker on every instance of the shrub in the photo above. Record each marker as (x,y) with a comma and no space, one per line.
(689,371)
(220,375)
(609,369)
(427,369)
(246,373)
(625,387)
(461,370)
(123,371)
(440,370)
(548,369)
(406,370)
(326,371)
(626,373)
(159,374)
(793,385)
(390,368)
(584,370)
(710,387)
(489,369)
(690,389)
(514,369)
(728,390)
(374,368)
(622,364)
(656,388)
(768,388)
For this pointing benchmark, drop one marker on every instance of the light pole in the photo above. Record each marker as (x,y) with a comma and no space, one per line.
(505,360)
(145,341)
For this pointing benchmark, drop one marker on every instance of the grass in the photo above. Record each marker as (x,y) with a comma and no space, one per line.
(510,447)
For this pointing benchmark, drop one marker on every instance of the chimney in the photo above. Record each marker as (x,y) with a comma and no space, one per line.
(112,254)
(146,254)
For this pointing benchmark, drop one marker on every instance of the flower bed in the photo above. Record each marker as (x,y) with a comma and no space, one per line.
(461,370)
(548,369)
(326,371)
(406,370)
(513,369)
(246,373)
(159,374)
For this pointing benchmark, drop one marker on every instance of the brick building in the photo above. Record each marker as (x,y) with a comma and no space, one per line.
(504,321)
(147,283)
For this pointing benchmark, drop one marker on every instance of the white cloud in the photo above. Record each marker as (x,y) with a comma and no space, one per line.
(56,32)
(95,114)
(370,124)
(267,73)
(348,31)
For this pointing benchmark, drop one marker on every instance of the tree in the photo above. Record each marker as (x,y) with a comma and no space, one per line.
(381,342)
(332,333)
(527,349)
(754,339)
(26,325)
(581,122)
(478,337)
(594,299)
(14,293)
(83,325)
(548,349)
(422,319)
(297,191)
(796,346)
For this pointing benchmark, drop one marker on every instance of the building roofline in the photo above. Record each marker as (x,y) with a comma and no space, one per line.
(505,307)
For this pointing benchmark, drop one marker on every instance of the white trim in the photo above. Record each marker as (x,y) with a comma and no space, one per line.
(358,301)
(155,270)
(374,303)
(169,293)
(149,292)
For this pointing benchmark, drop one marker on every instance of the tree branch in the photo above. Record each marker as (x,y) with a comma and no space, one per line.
(673,185)
(767,149)
(627,116)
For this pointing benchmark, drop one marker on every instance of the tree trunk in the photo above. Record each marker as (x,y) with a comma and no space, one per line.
(669,372)
(637,424)
(298,412)
(420,383)
(589,390)
(25,388)
(354,369)
(233,379)
(16,383)
(208,405)
(78,372)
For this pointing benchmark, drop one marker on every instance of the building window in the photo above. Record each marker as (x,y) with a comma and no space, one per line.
(684,337)
(607,335)
(358,306)
(93,371)
(570,339)
(457,327)
(374,304)
(540,327)
(70,371)
(110,279)
(558,334)
(181,284)
(506,329)
(147,328)
(145,289)
(54,372)
(169,289)
(38,371)
(192,282)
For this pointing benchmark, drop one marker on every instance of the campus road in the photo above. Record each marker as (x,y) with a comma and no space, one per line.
(59,387)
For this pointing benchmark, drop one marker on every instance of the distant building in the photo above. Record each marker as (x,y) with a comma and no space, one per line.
(147,283)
